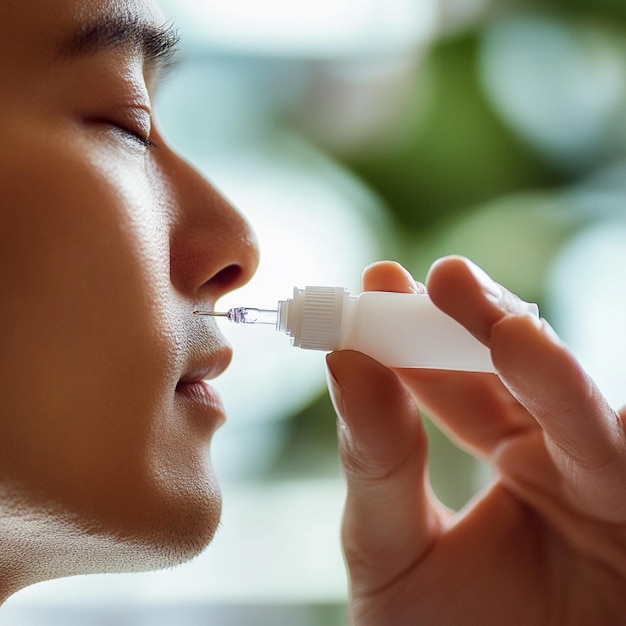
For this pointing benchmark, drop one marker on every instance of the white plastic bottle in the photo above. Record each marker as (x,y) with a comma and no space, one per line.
(396,329)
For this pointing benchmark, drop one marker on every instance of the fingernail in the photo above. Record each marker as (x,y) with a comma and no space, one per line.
(409,277)
(493,292)
(549,332)
(504,300)
(333,387)
(531,308)
(344,434)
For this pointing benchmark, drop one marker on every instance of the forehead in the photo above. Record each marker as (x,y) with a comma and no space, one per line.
(32,27)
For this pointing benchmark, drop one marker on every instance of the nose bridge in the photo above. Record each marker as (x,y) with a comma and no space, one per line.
(213,248)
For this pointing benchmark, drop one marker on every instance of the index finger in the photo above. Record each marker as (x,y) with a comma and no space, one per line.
(583,434)
(585,437)
(474,409)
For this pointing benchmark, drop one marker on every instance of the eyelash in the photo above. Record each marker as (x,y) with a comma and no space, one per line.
(142,140)
(126,130)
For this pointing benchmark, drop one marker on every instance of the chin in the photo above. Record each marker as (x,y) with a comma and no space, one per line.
(170,538)
(144,512)
(151,525)
(148,537)
(173,530)
(185,532)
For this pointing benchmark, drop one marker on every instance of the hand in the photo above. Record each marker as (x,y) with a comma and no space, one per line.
(545,544)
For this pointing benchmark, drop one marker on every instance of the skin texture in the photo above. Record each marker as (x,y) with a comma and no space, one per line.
(109,241)
(545,544)
(107,245)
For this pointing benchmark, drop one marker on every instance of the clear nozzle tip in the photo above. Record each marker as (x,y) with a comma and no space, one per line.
(245,315)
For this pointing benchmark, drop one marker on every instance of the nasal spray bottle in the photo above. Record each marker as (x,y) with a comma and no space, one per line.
(396,329)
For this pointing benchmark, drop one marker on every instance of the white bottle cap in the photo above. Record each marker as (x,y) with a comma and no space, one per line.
(313,317)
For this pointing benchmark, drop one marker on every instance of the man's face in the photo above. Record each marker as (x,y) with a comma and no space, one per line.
(108,243)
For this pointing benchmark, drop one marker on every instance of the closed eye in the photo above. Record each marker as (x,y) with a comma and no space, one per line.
(138,137)
(131,123)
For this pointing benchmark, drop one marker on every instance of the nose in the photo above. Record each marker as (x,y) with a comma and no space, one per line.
(213,249)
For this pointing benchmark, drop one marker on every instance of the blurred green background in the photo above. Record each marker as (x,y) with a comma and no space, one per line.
(348,132)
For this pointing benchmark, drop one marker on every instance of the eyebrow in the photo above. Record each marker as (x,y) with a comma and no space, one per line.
(157,44)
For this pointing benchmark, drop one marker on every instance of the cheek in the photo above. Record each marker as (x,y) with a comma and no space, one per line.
(85,356)
(90,356)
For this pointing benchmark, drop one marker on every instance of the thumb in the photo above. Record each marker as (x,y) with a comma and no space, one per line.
(391,518)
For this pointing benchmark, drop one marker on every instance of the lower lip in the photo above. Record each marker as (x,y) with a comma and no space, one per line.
(203,397)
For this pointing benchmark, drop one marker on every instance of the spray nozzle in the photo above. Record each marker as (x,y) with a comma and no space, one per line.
(245,315)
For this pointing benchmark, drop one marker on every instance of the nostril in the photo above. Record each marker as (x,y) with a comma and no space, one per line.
(227,278)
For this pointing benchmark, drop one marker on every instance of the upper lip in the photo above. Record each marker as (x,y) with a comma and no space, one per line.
(207,364)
